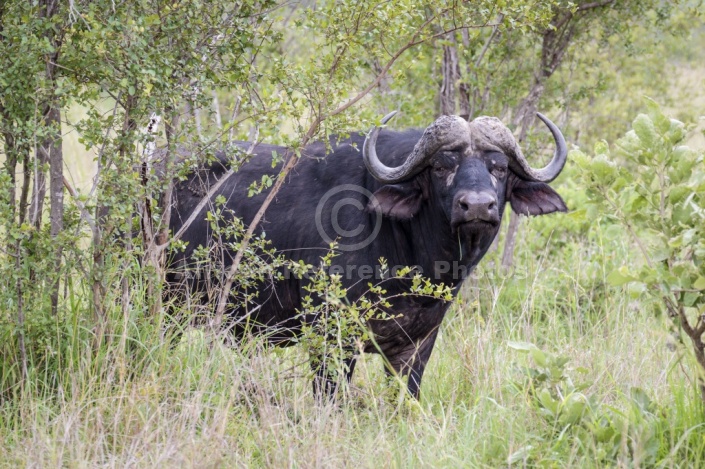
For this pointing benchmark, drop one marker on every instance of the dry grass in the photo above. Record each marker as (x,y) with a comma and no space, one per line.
(206,405)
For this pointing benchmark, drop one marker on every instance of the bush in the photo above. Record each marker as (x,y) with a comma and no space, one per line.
(653,187)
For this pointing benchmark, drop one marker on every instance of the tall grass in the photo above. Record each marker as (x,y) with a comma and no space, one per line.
(138,401)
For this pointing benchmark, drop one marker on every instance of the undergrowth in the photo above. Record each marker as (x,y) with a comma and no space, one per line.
(602,384)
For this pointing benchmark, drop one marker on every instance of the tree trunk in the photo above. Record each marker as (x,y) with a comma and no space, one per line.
(26,183)
(20,310)
(51,148)
(556,40)
(155,256)
(216,111)
(525,115)
(11,157)
(451,75)
(38,189)
(56,188)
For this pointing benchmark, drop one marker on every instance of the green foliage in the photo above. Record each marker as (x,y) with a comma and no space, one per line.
(560,401)
(572,412)
(654,187)
(335,328)
(655,191)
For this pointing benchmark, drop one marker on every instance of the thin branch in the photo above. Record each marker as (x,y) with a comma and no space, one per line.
(236,111)
(413,42)
(684,320)
(211,192)
(20,311)
(700,328)
(85,214)
(633,234)
(216,110)
(590,6)
(225,292)
(500,18)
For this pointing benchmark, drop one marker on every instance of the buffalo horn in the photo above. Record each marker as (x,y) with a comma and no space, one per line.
(449,131)
(547,174)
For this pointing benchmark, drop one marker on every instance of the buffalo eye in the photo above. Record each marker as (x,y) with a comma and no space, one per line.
(499,172)
(497,165)
(444,163)
(440,170)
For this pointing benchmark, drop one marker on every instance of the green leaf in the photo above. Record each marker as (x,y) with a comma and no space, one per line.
(644,128)
(548,402)
(573,409)
(699,283)
(663,123)
(620,277)
(603,169)
(538,356)
(519,455)
(520,346)
(676,133)
(690,298)
(602,148)
(641,399)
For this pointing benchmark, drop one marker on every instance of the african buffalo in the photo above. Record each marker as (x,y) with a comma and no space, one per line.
(430,198)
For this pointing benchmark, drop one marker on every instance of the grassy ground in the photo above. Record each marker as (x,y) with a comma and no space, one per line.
(202,404)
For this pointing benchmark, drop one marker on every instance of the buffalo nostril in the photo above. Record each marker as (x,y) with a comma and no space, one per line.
(472,205)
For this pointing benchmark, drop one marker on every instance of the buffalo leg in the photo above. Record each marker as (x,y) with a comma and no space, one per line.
(325,384)
(411,362)
(175,298)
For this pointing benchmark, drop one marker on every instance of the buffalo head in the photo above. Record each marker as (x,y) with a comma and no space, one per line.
(471,169)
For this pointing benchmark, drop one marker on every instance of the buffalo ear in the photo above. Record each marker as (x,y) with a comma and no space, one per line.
(535,198)
(401,201)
